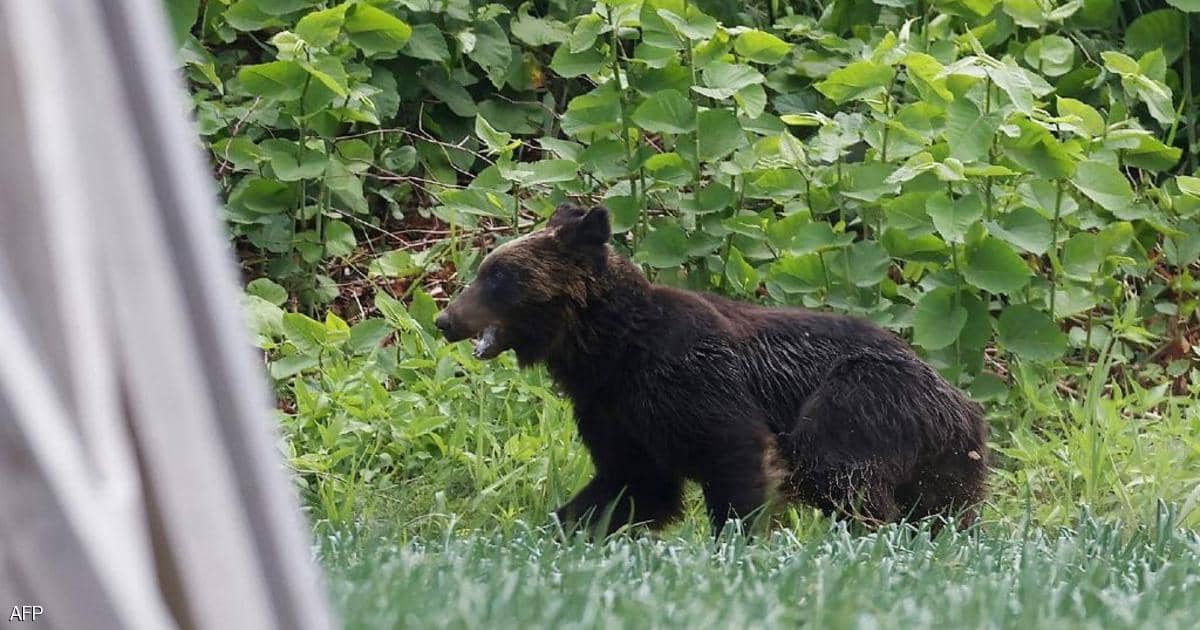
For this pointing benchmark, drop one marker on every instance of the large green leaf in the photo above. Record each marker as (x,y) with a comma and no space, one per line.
(667,111)
(428,43)
(720,134)
(339,239)
(182,15)
(761,47)
(868,263)
(1030,334)
(743,278)
(856,81)
(321,28)
(279,80)
(1103,184)
(953,217)
(1025,228)
(938,319)
(491,51)
(969,131)
(664,247)
(374,30)
(993,266)
(570,64)
(1163,29)
(723,80)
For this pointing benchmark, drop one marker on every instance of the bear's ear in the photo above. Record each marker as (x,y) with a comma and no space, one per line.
(566,213)
(590,228)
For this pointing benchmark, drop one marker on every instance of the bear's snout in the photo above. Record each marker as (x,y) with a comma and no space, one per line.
(453,332)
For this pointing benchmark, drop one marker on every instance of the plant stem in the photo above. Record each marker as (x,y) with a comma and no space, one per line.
(1187,93)
(625,126)
(1054,246)
(825,275)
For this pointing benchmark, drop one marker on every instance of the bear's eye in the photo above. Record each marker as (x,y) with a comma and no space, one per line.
(503,287)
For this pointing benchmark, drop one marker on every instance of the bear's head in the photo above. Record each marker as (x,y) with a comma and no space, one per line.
(529,291)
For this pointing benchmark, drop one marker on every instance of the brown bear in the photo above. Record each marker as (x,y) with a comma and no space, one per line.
(750,402)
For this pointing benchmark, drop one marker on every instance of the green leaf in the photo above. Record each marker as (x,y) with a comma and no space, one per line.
(1119,63)
(239,151)
(1164,28)
(1156,96)
(969,131)
(182,15)
(537,31)
(569,64)
(279,80)
(1038,151)
(993,266)
(1030,334)
(496,141)
(245,15)
(927,74)
(1187,6)
(1025,228)
(268,290)
(856,81)
(761,47)
(587,29)
(1027,13)
(283,7)
(721,134)
(261,195)
(723,80)
(307,334)
(953,217)
(868,262)
(1052,55)
(1188,185)
(321,28)
(374,30)
(478,202)
(492,51)
(1090,120)
(339,239)
(397,263)
(426,42)
(292,163)
(695,26)
(742,277)
(938,319)
(1010,78)
(666,112)
(1103,184)
(448,91)
(552,171)
(664,247)
(337,331)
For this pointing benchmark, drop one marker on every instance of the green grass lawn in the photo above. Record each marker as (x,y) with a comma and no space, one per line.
(1090,575)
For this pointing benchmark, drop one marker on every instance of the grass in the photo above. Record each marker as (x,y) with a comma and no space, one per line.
(431,477)
(1091,575)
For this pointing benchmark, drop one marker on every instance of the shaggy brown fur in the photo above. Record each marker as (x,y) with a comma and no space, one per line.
(670,385)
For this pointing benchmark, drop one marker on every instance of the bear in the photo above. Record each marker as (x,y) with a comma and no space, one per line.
(754,403)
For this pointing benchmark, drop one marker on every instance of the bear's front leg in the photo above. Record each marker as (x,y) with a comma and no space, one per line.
(739,479)
(613,502)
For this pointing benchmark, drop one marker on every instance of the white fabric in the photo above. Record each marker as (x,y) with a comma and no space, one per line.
(139,476)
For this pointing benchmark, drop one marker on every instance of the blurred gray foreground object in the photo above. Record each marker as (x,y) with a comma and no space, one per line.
(140,482)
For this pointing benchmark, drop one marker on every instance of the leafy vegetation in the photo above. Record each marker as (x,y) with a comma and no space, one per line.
(1011,184)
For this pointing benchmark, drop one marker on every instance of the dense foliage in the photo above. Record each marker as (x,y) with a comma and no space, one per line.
(1009,183)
